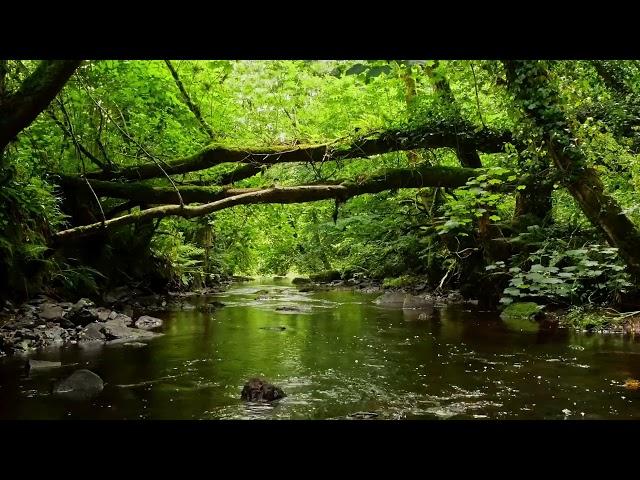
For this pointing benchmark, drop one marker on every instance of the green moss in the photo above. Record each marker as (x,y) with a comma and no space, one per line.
(521,311)
(585,318)
(402,281)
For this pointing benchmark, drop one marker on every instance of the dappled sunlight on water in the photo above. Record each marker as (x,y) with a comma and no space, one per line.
(336,353)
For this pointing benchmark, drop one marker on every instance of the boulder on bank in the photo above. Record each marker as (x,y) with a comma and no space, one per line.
(259,390)
(81,384)
(327,276)
(301,281)
(50,311)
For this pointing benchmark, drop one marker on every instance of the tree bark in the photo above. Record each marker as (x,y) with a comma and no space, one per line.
(20,109)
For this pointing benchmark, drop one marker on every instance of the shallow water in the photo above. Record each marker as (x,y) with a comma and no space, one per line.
(339,355)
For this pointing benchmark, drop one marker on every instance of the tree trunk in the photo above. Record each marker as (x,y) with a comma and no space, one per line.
(530,82)
(20,109)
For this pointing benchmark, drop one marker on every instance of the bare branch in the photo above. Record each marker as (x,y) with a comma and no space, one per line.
(187,99)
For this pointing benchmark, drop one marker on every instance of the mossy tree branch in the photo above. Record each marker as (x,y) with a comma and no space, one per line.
(426,176)
(436,136)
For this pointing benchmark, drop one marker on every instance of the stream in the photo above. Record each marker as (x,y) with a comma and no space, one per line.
(338,354)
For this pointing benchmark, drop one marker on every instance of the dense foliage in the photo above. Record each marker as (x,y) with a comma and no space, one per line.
(514,226)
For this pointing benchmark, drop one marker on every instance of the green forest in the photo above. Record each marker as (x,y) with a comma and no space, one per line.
(511,186)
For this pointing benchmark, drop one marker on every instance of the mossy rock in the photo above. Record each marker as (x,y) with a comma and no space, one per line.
(521,311)
(328,276)
(300,281)
(403,281)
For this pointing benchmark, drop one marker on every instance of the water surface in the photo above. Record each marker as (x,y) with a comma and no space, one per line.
(338,354)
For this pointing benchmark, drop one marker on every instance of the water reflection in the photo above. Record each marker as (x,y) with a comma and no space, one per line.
(336,353)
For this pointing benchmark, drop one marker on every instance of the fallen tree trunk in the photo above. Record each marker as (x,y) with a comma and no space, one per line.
(439,136)
(426,176)
(449,177)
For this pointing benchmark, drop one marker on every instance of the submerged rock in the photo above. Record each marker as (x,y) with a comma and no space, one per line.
(422,314)
(81,384)
(259,390)
(146,322)
(395,299)
(288,308)
(275,329)
(363,415)
(417,301)
(41,365)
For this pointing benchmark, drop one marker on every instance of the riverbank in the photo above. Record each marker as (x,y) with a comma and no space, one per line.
(120,316)
(413,292)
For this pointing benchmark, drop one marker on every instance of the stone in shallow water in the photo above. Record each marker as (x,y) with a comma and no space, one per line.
(395,299)
(116,330)
(289,308)
(259,390)
(81,384)
(417,301)
(146,322)
(92,332)
(41,364)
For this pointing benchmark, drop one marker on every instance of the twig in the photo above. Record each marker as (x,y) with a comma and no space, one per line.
(142,149)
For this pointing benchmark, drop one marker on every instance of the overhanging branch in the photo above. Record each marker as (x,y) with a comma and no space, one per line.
(425,176)
(440,136)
